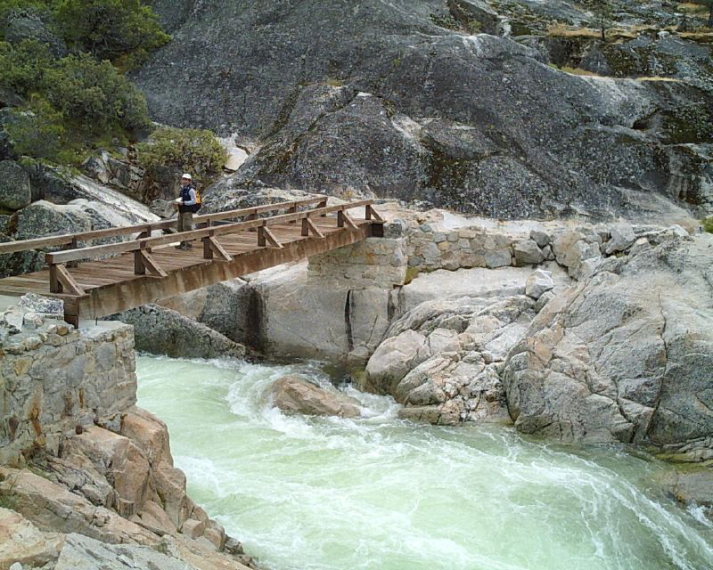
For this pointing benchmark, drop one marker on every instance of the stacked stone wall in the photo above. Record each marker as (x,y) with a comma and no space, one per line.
(53,379)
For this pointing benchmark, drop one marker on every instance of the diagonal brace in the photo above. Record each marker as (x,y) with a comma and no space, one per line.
(143,262)
(309,227)
(343,219)
(61,280)
(212,249)
(265,236)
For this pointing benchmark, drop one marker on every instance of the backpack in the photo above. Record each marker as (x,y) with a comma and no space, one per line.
(199,200)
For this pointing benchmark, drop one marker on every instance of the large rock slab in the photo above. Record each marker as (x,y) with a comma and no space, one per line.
(295,394)
(314,317)
(160,330)
(477,282)
(626,356)
(404,99)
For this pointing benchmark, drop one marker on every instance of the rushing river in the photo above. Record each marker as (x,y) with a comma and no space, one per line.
(378,493)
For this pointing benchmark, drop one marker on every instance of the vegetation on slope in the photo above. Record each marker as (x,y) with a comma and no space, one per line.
(63,64)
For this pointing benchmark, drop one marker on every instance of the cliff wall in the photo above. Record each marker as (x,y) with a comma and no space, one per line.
(81,467)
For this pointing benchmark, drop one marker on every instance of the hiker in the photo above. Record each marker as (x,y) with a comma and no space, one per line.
(186,204)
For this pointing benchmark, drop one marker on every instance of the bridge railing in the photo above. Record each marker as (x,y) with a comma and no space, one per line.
(61,281)
(72,241)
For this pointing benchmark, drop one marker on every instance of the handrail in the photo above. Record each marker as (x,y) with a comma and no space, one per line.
(98,251)
(147,228)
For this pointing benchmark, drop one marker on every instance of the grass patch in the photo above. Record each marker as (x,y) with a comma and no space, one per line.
(656,78)
(575,71)
(700,37)
(411,274)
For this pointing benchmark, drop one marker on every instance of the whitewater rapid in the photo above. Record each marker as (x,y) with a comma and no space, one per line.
(379,493)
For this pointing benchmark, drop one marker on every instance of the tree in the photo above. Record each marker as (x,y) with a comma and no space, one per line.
(122,31)
(603,13)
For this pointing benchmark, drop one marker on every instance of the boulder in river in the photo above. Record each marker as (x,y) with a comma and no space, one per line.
(295,394)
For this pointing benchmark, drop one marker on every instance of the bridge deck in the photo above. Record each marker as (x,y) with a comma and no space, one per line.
(101,280)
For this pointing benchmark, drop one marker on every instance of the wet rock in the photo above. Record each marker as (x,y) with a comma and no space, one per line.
(694,488)
(295,394)
(394,358)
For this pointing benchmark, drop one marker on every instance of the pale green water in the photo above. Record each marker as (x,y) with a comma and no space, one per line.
(381,494)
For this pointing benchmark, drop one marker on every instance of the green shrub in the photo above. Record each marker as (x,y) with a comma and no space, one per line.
(37,130)
(708,224)
(95,96)
(191,150)
(24,66)
(122,31)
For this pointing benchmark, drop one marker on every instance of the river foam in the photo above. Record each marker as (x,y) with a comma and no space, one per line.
(381,493)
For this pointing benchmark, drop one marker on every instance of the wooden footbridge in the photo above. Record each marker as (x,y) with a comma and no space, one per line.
(99,280)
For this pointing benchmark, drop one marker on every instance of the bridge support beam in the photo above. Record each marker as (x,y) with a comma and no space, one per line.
(103,301)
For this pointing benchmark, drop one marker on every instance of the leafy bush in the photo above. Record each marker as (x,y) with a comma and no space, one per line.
(77,102)
(191,150)
(37,130)
(708,224)
(23,66)
(122,31)
(95,95)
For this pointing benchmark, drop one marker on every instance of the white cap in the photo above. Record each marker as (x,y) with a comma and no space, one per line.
(188,176)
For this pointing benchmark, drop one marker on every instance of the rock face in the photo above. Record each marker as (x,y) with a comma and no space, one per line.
(405,99)
(15,191)
(160,330)
(441,359)
(295,394)
(624,356)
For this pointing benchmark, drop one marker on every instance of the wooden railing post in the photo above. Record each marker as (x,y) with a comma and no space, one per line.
(74,244)
(55,285)
(207,250)
(139,267)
